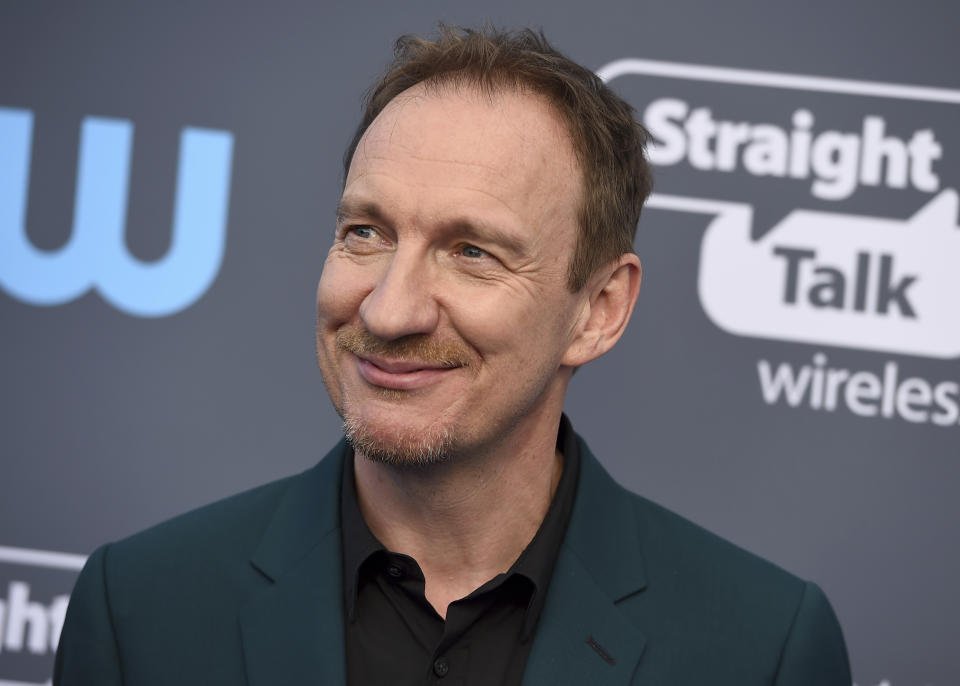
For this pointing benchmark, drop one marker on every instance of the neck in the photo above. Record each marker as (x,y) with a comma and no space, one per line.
(468,519)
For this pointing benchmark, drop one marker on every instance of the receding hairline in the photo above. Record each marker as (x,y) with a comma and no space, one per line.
(488,90)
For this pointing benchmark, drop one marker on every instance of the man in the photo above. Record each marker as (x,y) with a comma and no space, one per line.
(462,533)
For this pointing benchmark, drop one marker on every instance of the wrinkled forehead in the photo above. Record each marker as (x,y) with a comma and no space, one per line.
(501,135)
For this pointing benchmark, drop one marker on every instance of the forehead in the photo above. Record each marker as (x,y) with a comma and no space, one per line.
(506,151)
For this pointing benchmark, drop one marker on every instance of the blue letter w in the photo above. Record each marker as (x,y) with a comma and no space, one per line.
(95,256)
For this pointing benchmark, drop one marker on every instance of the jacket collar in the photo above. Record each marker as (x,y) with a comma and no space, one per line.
(292,631)
(604,531)
(583,637)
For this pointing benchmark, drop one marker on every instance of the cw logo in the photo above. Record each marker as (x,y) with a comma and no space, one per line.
(95,256)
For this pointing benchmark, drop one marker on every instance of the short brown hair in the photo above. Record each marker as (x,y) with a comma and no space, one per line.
(607,139)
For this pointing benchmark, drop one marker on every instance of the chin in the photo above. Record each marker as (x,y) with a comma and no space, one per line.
(399,446)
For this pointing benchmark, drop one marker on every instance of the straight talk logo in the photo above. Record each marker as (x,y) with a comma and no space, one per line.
(864,393)
(797,264)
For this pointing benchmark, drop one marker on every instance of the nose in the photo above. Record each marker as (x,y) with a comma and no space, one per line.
(402,302)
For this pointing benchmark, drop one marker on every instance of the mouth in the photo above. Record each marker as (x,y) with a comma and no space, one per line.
(400,374)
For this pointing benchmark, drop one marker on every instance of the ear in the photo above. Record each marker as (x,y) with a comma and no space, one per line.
(612,293)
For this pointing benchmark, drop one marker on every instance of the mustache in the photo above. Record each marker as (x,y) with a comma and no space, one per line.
(417,347)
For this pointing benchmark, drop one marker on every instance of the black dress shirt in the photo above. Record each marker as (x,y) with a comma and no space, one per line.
(394,636)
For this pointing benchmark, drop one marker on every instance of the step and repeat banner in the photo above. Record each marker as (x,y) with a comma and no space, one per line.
(790,379)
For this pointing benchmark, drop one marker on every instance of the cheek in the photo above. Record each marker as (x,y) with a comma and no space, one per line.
(520,331)
(339,294)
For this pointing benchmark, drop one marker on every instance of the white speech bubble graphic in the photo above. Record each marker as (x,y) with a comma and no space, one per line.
(850,280)
(772,79)
(832,278)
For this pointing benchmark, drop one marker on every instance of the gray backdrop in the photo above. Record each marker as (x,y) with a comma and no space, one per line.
(123,405)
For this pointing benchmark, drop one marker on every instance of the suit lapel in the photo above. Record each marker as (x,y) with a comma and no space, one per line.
(292,631)
(582,636)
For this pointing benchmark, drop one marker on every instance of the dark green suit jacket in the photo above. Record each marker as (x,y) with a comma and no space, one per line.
(249,591)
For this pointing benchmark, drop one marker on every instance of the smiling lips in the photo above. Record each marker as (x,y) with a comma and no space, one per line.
(399,374)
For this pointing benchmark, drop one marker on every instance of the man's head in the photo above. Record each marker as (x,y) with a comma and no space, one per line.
(464,284)
(609,143)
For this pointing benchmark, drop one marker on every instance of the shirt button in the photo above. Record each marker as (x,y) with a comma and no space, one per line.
(440,667)
(394,571)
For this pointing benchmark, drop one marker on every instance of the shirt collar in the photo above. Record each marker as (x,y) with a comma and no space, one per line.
(535,563)
(537,560)
(359,543)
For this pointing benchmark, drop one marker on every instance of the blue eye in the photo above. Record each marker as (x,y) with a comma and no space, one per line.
(473,251)
(362,231)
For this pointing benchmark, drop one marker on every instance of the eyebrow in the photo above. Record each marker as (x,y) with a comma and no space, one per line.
(348,207)
(469,228)
(489,232)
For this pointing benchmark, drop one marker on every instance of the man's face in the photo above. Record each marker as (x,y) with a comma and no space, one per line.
(443,315)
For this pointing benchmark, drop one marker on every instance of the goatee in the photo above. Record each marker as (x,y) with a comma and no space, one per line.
(420,450)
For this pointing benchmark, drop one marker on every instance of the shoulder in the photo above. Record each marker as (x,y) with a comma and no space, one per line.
(675,546)
(224,529)
(171,595)
(233,527)
(674,552)
(208,551)
(182,577)
(726,600)
(192,561)
(702,594)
